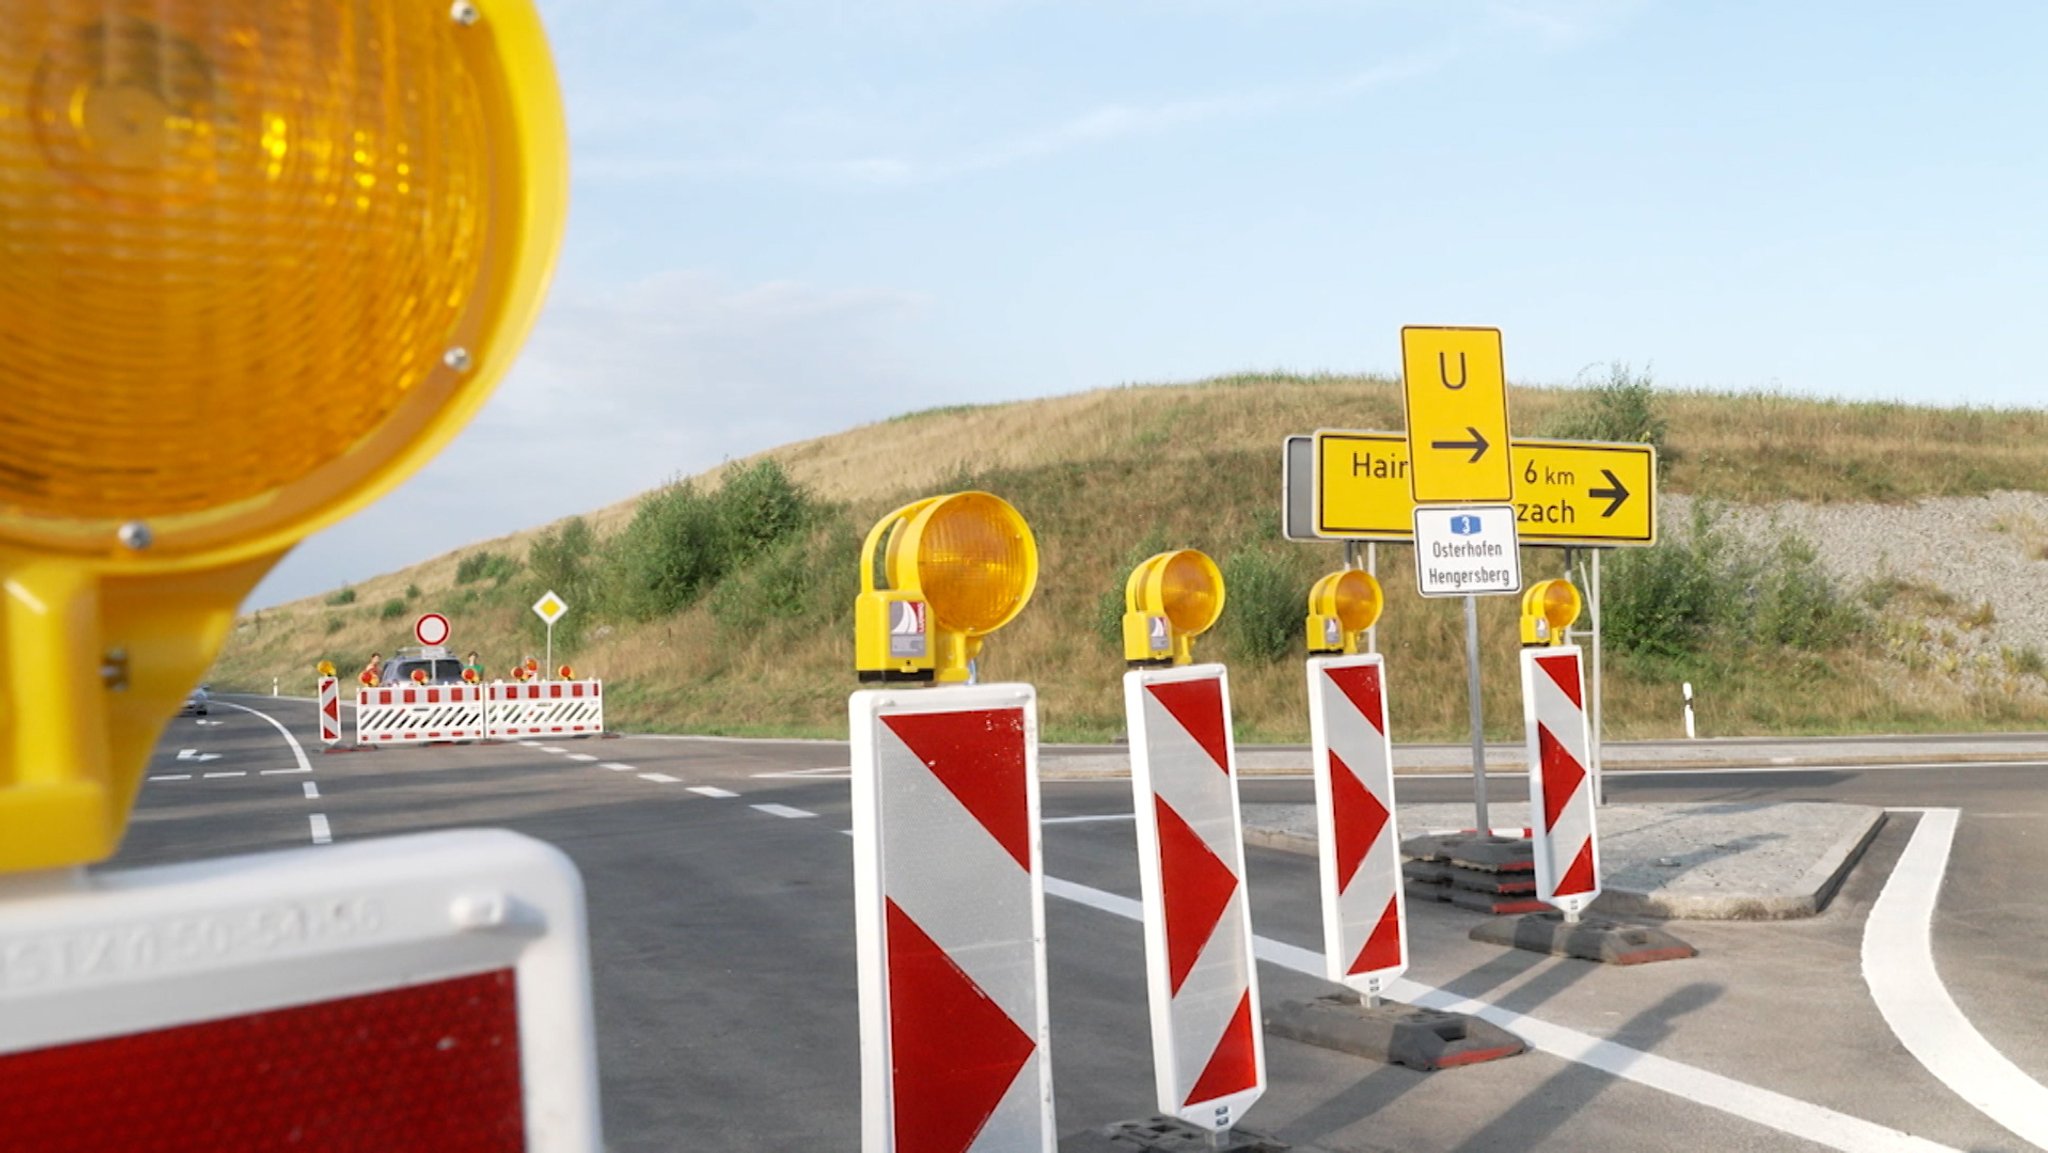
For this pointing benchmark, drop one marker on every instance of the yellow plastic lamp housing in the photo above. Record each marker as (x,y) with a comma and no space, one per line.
(1169,600)
(1341,607)
(258,263)
(324,668)
(937,576)
(1548,609)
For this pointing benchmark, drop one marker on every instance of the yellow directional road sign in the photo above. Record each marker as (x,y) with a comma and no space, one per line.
(1455,388)
(1584,493)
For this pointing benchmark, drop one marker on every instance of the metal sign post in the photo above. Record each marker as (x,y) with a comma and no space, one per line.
(550,609)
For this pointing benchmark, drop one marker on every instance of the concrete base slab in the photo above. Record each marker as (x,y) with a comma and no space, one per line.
(1496,904)
(1477,880)
(1589,939)
(1426,1039)
(1168,1135)
(1480,851)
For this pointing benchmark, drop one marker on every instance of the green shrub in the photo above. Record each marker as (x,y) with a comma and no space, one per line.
(1622,407)
(804,584)
(392,609)
(334,625)
(485,565)
(1704,588)
(345,595)
(412,592)
(562,560)
(1264,605)
(681,541)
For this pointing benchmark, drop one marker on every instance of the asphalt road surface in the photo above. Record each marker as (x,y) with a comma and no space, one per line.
(720,903)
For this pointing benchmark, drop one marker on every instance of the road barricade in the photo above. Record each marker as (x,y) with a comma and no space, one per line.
(415,714)
(544,709)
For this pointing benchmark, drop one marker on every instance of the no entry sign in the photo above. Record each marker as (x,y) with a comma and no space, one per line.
(431,630)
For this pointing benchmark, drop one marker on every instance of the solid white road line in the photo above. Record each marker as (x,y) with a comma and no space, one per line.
(712,791)
(616,767)
(298,752)
(1815,1123)
(660,778)
(321,833)
(172,777)
(584,757)
(312,791)
(1898,965)
(783,811)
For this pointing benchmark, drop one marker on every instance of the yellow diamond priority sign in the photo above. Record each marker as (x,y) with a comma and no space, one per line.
(550,607)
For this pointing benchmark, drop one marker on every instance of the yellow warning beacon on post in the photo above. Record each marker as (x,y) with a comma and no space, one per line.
(936,577)
(259,263)
(1169,600)
(1548,609)
(1341,607)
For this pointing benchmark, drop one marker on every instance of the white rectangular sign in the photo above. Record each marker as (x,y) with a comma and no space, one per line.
(1466,550)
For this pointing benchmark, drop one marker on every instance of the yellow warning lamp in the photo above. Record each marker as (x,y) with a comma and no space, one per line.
(258,263)
(1548,609)
(1169,600)
(324,668)
(1341,607)
(936,577)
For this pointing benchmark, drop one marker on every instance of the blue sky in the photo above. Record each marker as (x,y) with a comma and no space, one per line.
(791,218)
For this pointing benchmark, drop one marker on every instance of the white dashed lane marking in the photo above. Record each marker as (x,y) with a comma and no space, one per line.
(172,777)
(557,749)
(660,778)
(236,773)
(616,767)
(784,811)
(321,833)
(585,757)
(712,791)
(312,791)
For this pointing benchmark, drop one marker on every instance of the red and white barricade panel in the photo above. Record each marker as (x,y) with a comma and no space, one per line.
(330,711)
(1208,1047)
(423,992)
(1560,790)
(1365,915)
(545,708)
(415,714)
(949,892)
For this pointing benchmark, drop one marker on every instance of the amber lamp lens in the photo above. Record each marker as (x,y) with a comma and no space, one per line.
(236,240)
(1190,592)
(977,563)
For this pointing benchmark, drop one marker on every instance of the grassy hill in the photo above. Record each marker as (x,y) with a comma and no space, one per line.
(1107,477)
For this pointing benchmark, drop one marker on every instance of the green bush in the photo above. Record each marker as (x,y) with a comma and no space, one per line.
(804,584)
(334,625)
(1704,588)
(345,595)
(392,609)
(485,565)
(1623,407)
(562,560)
(681,542)
(412,592)
(1264,605)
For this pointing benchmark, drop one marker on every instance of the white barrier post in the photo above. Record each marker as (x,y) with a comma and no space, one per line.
(420,992)
(949,897)
(330,711)
(1691,732)
(1560,796)
(1365,914)
(1208,1047)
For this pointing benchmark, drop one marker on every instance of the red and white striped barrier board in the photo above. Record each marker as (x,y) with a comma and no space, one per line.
(1208,1047)
(1560,789)
(545,708)
(423,992)
(949,893)
(1365,915)
(416,714)
(330,711)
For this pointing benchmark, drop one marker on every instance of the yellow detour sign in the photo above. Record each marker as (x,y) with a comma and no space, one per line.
(1455,388)
(1566,493)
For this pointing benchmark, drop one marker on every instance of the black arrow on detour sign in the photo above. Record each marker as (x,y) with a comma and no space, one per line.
(1614,494)
(1477,444)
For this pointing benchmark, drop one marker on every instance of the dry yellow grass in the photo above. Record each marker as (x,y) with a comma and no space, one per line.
(1197,465)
